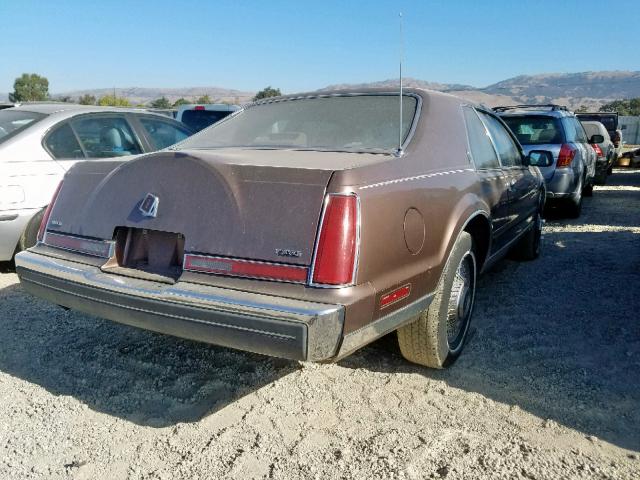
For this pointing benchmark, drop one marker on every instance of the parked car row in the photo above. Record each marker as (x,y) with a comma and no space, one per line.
(303,226)
(583,153)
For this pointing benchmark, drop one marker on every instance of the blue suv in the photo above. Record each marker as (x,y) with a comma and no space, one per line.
(554,128)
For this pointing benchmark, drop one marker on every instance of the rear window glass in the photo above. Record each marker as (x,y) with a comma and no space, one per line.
(13,122)
(609,122)
(532,130)
(201,119)
(339,123)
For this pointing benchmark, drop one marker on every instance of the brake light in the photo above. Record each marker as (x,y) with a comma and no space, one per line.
(199,107)
(337,249)
(567,152)
(598,150)
(235,267)
(47,214)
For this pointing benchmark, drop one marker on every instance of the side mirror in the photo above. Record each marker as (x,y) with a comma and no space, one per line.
(539,158)
(596,139)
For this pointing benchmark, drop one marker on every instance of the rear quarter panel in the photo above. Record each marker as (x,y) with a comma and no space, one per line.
(435,178)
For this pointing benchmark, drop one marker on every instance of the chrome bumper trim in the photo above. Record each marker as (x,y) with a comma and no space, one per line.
(387,324)
(323,322)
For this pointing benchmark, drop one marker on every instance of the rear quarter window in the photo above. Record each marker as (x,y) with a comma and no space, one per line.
(482,151)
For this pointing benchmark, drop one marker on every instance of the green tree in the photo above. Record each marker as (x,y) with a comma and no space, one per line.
(267,92)
(30,87)
(113,101)
(623,107)
(161,102)
(204,99)
(581,109)
(181,101)
(87,99)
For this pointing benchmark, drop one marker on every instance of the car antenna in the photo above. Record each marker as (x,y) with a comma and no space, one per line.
(399,151)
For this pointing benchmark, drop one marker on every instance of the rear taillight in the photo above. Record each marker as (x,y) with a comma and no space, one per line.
(199,107)
(598,150)
(567,152)
(235,267)
(47,214)
(337,248)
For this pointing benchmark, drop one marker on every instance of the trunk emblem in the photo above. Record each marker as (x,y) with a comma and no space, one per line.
(287,252)
(149,206)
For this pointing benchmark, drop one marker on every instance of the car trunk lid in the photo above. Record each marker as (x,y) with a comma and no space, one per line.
(214,203)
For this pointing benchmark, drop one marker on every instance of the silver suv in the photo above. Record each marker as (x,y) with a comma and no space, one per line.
(554,128)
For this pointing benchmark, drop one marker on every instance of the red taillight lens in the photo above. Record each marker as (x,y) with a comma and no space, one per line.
(245,268)
(567,152)
(337,249)
(598,150)
(199,107)
(47,214)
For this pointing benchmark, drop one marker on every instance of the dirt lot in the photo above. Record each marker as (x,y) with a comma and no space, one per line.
(548,387)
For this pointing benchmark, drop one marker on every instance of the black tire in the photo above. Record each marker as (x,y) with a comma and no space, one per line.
(437,336)
(574,204)
(529,246)
(29,236)
(588,190)
(601,178)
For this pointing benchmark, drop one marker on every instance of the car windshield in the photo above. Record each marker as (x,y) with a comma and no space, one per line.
(340,123)
(14,121)
(535,130)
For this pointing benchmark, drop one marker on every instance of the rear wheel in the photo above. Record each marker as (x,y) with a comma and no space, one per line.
(574,205)
(30,235)
(436,338)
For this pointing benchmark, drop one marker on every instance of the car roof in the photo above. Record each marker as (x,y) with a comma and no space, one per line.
(71,108)
(528,112)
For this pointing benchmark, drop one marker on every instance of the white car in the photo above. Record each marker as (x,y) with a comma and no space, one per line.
(40,142)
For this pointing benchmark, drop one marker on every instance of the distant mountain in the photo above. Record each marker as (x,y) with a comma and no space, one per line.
(407,82)
(591,89)
(603,85)
(138,95)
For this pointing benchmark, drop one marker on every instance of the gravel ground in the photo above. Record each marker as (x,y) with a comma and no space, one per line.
(548,387)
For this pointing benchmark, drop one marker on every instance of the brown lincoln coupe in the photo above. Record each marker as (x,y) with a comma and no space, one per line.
(302,227)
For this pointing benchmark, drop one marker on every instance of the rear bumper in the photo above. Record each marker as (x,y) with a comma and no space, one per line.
(282,327)
(563,184)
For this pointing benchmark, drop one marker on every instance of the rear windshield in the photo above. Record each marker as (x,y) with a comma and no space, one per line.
(201,119)
(338,123)
(13,122)
(535,130)
(609,121)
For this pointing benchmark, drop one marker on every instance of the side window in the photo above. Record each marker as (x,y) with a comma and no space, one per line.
(507,149)
(163,134)
(580,135)
(106,136)
(484,156)
(62,143)
(569,129)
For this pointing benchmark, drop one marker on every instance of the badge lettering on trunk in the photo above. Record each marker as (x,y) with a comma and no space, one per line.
(287,252)
(149,206)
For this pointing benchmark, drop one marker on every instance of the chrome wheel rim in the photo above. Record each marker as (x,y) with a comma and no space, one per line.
(461,301)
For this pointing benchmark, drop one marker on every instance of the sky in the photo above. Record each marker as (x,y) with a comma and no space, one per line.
(305,45)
